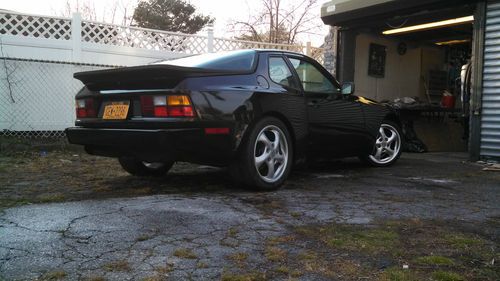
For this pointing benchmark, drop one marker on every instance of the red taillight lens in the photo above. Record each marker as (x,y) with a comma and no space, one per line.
(89,104)
(161,111)
(85,108)
(181,111)
(166,106)
(147,106)
(81,112)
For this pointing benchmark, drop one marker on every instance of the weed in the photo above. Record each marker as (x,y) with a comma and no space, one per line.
(49,198)
(164,270)
(232,232)
(463,242)
(307,256)
(434,260)
(371,240)
(94,278)
(54,275)
(201,265)
(143,237)
(282,270)
(121,265)
(153,278)
(275,254)
(251,276)
(296,273)
(185,253)
(395,274)
(239,258)
(280,240)
(446,276)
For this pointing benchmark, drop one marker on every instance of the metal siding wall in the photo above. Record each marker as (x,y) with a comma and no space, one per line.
(490,121)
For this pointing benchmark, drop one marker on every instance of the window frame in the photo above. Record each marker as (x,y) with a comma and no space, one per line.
(320,68)
(290,68)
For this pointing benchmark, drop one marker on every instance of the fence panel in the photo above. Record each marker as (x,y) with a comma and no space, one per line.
(37,98)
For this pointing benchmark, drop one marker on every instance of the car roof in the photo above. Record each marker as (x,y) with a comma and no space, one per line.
(279,51)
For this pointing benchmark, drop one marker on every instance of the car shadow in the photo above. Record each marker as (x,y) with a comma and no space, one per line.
(187,178)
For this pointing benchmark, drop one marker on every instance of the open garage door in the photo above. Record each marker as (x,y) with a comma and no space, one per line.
(430,51)
(490,118)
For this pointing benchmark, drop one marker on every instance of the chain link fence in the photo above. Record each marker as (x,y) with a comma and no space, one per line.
(37,97)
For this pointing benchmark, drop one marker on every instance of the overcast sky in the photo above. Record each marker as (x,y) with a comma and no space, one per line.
(224,11)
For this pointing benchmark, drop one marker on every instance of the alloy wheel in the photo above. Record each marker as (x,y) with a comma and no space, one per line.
(271,154)
(387,145)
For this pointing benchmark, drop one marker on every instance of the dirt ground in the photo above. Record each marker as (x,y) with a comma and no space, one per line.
(65,215)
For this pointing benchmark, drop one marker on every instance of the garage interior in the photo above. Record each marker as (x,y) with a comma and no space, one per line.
(414,55)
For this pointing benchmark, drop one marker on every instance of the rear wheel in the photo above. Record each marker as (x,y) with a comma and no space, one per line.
(387,147)
(140,168)
(265,158)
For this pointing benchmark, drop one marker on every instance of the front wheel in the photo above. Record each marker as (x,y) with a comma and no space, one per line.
(387,148)
(140,168)
(265,158)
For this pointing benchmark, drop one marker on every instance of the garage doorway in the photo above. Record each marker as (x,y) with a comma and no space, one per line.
(416,57)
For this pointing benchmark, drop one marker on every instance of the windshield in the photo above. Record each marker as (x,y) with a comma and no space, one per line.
(242,60)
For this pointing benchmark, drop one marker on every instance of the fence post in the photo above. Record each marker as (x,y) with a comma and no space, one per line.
(76,37)
(308,49)
(210,38)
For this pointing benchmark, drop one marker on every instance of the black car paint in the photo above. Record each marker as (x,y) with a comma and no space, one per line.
(334,125)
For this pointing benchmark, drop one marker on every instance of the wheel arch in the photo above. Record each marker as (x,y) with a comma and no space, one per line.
(391,116)
(278,116)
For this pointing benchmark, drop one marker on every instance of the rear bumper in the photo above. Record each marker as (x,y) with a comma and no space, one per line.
(153,145)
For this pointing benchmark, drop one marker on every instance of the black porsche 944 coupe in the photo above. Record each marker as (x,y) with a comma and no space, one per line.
(258,112)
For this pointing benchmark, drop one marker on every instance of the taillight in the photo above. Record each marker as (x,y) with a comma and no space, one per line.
(85,108)
(160,104)
(166,106)
(147,106)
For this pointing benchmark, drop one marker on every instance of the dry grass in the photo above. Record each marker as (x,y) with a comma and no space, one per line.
(120,265)
(54,275)
(248,276)
(185,253)
(275,254)
(239,258)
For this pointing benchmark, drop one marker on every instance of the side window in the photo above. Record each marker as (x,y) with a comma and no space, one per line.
(311,78)
(280,73)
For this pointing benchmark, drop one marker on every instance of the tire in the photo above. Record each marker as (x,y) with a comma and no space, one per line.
(265,157)
(388,146)
(140,168)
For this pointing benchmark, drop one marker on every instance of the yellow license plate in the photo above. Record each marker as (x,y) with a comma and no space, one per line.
(115,111)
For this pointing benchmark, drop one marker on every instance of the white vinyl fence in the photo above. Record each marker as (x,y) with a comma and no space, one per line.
(37,99)
(39,54)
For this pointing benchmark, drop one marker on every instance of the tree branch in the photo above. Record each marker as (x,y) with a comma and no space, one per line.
(7,73)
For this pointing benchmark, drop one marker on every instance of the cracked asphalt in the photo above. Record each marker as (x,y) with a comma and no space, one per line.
(189,225)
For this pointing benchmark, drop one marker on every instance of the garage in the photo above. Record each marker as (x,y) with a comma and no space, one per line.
(436,61)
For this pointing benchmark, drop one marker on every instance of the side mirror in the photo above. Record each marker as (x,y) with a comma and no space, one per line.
(347,88)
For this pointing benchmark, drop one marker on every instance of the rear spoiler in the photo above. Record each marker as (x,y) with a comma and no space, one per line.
(144,76)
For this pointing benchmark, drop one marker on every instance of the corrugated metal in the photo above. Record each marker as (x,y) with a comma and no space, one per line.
(490,120)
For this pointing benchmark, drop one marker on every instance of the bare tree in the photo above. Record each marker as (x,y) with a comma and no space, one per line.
(85,8)
(119,11)
(9,71)
(280,21)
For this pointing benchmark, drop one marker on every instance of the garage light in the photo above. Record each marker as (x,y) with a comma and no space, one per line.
(452,42)
(430,25)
